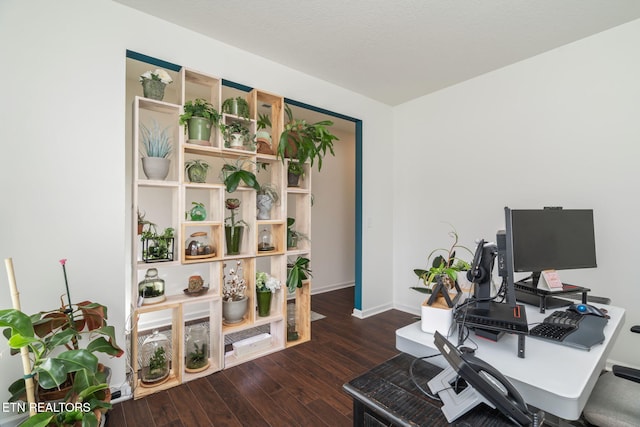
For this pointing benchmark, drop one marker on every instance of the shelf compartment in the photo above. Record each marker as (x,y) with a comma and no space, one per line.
(247,213)
(215,356)
(274,328)
(213,231)
(277,231)
(204,86)
(172,327)
(244,268)
(165,117)
(302,314)
(271,106)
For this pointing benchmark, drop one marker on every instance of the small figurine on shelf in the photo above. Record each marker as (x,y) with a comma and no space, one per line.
(196,286)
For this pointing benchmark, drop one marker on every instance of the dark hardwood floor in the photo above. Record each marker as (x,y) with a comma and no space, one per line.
(299,386)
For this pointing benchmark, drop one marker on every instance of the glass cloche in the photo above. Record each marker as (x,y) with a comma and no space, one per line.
(156,354)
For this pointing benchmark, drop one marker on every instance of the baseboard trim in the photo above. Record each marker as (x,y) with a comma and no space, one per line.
(332,287)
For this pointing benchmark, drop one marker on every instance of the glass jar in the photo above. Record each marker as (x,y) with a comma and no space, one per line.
(265,241)
(197,349)
(151,289)
(199,246)
(198,212)
(156,354)
(292,329)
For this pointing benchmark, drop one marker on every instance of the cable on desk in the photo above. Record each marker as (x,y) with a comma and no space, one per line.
(413,378)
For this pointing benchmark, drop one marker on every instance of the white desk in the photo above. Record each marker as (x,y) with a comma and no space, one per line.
(552,377)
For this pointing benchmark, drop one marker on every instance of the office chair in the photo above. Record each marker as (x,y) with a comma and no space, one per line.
(614,400)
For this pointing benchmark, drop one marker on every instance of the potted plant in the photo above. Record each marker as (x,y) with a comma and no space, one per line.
(237,135)
(233,173)
(295,171)
(234,300)
(154,83)
(266,197)
(199,116)
(233,229)
(196,170)
(297,272)
(440,282)
(266,285)
(157,247)
(157,150)
(305,141)
(263,136)
(236,106)
(197,348)
(293,236)
(52,339)
(141,221)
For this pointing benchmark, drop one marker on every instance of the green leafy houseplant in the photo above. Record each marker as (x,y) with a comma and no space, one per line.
(157,247)
(53,339)
(157,364)
(237,134)
(196,170)
(296,168)
(197,358)
(443,267)
(234,173)
(294,236)
(199,108)
(237,106)
(297,272)
(200,117)
(305,141)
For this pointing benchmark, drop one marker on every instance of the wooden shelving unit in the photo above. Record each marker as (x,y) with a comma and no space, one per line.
(167,203)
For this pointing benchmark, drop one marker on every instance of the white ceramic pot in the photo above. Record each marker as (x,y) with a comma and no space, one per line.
(234,311)
(436,318)
(155,167)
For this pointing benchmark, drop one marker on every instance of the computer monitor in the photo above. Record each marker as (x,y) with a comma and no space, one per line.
(549,239)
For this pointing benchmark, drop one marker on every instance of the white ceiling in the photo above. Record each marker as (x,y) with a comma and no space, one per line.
(394,51)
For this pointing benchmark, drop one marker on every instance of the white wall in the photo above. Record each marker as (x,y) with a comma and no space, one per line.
(62,169)
(559,129)
(333,218)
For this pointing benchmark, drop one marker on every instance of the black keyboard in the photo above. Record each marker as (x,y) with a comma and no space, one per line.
(571,329)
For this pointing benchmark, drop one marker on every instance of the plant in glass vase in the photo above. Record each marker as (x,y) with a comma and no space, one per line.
(233,228)
(266,285)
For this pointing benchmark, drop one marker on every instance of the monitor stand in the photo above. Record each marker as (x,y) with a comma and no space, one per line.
(532,299)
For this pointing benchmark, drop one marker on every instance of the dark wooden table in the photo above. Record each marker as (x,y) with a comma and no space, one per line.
(387,396)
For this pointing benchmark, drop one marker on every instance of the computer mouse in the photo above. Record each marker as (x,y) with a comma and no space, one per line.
(588,309)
